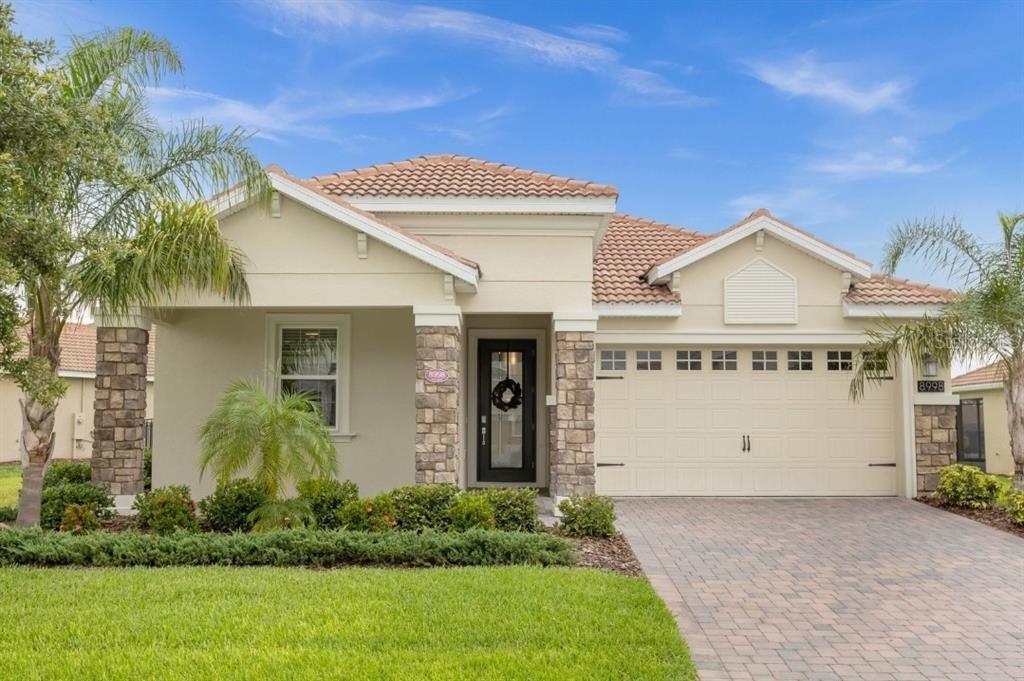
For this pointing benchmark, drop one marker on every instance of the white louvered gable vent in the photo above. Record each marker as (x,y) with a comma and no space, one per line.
(760,293)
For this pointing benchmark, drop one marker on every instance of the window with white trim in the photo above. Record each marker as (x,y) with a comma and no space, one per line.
(648,360)
(724,360)
(839,360)
(688,360)
(613,360)
(800,360)
(764,360)
(309,354)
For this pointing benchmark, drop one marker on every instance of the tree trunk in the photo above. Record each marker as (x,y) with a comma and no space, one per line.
(1015,419)
(37,442)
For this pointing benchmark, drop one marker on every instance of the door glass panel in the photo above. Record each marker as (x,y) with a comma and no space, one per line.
(507,426)
(970,431)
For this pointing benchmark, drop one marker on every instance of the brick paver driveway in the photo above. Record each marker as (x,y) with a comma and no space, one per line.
(842,589)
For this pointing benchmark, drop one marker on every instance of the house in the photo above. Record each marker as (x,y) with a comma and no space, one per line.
(471,322)
(983,423)
(74,419)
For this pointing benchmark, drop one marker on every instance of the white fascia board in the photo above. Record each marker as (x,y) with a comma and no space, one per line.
(724,339)
(88,374)
(395,239)
(595,205)
(437,315)
(660,273)
(638,309)
(574,321)
(973,387)
(864,310)
(230,201)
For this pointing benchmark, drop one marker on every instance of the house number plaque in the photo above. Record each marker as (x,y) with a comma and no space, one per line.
(436,375)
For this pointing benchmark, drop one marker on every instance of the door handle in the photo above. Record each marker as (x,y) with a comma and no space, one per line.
(483,436)
(749,447)
(743,443)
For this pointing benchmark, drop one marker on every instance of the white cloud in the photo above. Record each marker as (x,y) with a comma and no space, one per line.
(329,20)
(807,76)
(801,205)
(866,164)
(290,113)
(471,128)
(599,32)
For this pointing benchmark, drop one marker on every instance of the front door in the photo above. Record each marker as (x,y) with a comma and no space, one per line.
(506,433)
(971,433)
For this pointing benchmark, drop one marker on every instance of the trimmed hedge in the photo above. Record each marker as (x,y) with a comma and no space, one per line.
(967,487)
(56,498)
(590,516)
(67,473)
(313,548)
(229,507)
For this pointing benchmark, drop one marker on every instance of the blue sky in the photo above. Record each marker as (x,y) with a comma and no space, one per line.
(842,118)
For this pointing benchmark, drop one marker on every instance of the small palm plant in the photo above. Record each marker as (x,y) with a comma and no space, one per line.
(274,440)
(985,320)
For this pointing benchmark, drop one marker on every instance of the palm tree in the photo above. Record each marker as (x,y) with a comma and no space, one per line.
(274,440)
(985,321)
(129,225)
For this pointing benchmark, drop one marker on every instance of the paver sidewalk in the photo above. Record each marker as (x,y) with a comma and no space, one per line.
(844,589)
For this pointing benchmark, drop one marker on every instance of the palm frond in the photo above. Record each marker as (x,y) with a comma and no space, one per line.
(119,59)
(279,514)
(177,248)
(943,242)
(937,337)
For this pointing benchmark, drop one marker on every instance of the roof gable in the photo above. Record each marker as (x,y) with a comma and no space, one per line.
(760,220)
(992,373)
(450,175)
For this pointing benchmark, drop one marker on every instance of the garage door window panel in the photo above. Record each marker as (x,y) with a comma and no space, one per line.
(648,360)
(765,360)
(688,360)
(724,360)
(839,360)
(613,360)
(800,360)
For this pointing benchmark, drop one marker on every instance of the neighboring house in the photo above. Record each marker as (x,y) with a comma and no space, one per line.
(983,423)
(470,322)
(74,419)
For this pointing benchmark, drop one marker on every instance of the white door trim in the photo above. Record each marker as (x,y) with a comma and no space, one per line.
(541,446)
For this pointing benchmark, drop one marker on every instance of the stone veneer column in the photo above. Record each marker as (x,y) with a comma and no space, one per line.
(120,403)
(573,465)
(934,442)
(438,395)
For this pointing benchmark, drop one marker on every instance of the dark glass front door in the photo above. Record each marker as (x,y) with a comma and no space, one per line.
(970,430)
(506,410)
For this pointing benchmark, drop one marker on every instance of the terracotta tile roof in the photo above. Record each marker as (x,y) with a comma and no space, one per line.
(453,175)
(78,348)
(629,247)
(312,184)
(993,373)
(883,290)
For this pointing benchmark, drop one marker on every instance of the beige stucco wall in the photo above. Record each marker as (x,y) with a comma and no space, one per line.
(77,402)
(998,457)
(203,351)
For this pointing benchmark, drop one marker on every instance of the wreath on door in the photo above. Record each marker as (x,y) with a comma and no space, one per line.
(507,394)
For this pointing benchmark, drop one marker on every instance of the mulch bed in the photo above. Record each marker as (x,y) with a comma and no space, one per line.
(994,517)
(611,555)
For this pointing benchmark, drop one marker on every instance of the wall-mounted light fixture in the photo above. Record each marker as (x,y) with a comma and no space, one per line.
(930,368)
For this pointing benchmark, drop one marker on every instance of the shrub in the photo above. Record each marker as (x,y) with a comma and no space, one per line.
(282,514)
(229,507)
(1015,507)
(166,510)
(515,509)
(589,516)
(471,511)
(80,519)
(376,514)
(314,548)
(325,498)
(67,473)
(967,487)
(419,507)
(55,499)
(8,514)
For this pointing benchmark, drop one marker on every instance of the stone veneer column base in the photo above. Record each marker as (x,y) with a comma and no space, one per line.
(934,442)
(438,355)
(572,453)
(120,409)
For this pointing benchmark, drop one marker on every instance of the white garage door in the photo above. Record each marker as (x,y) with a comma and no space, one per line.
(720,421)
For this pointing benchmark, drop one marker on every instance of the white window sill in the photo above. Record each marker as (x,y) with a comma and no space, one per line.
(343,437)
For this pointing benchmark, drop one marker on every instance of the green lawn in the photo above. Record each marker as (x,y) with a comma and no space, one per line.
(10,484)
(263,623)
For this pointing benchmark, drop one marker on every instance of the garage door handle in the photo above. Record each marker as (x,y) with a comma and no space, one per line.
(883,465)
(606,465)
(610,378)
